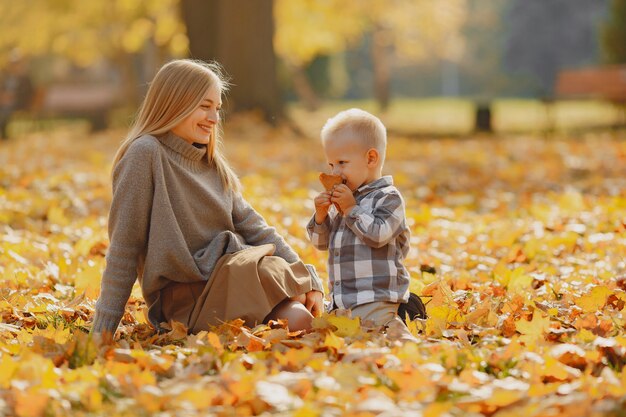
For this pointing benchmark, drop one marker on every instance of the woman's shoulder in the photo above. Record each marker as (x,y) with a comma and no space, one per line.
(145,144)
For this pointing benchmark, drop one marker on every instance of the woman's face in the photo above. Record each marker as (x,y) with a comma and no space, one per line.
(199,125)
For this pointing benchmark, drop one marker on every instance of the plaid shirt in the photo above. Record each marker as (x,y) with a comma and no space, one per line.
(366,247)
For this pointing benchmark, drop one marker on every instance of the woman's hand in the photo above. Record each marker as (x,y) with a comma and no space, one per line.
(101,339)
(315,303)
(300,298)
(343,197)
(322,204)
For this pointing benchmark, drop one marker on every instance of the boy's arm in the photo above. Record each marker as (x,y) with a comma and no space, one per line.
(378,226)
(319,233)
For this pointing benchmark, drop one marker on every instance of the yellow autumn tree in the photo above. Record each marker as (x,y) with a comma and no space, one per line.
(87,31)
(402,31)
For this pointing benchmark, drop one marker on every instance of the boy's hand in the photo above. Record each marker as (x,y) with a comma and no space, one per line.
(322,204)
(343,197)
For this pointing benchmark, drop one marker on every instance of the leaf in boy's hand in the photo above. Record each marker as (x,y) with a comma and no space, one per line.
(329,181)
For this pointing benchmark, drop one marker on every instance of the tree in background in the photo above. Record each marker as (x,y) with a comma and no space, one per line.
(238,34)
(86,32)
(307,29)
(545,36)
(481,65)
(400,32)
(614,33)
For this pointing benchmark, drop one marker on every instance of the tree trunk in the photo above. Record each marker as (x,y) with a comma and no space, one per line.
(238,34)
(382,71)
(303,88)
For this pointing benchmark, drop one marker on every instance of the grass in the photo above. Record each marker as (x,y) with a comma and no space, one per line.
(414,117)
(447,116)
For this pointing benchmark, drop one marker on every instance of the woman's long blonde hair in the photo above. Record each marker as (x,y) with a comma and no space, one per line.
(175,92)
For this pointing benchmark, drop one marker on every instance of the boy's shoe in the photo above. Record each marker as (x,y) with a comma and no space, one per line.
(415,308)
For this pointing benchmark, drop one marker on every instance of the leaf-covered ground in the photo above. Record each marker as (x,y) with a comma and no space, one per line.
(518,248)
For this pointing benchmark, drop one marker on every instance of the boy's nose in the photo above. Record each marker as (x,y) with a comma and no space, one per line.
(336,171)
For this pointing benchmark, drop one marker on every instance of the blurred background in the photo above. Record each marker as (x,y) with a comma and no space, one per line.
(428,67)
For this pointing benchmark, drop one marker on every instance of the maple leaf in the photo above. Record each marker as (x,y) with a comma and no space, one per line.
(533,331)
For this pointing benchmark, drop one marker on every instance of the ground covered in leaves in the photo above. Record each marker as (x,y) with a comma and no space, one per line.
(518,249)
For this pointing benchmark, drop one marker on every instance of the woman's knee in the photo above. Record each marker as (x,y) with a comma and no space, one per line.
(296,314)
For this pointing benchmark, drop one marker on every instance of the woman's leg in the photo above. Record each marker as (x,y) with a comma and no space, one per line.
(296,314)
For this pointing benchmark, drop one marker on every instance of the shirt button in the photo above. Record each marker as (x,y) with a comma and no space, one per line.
(336,252)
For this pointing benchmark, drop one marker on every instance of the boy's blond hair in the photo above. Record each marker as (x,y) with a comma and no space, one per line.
(363,125)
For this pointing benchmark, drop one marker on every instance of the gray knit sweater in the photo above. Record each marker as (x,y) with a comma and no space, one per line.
(171,220)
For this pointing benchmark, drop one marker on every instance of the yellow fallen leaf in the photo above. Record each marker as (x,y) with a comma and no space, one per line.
(346,326)
(333,341)
(56,215)
(594,300)
(519,282)
(437,409)
(8,366)
(30,403)
(214,340)
(532,331)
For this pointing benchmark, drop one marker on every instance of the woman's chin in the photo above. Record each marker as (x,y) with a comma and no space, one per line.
(203,140)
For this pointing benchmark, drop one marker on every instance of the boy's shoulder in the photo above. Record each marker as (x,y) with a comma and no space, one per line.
(389,193)
(384,187)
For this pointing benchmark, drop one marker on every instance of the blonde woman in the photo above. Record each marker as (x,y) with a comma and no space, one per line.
(179,224)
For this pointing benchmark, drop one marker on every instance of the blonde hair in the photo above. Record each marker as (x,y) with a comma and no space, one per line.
(364,126)
(175,92)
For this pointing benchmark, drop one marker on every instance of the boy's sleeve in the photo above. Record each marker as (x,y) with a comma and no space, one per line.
(381,224)
(319,233)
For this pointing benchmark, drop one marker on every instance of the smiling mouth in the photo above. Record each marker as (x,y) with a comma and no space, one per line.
(205,129)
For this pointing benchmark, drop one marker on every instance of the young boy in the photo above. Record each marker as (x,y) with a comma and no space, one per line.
(362,222)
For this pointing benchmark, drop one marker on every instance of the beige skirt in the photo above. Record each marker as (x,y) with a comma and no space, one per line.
(247,284)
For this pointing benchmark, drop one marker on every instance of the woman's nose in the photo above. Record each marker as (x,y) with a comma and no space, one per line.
(212,116)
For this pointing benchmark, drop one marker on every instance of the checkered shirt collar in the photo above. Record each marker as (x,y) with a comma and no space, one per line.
(382,182)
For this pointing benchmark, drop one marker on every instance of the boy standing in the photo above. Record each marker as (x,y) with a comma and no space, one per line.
(362,222)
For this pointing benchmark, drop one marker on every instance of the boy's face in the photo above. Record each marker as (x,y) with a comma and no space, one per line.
(348,157)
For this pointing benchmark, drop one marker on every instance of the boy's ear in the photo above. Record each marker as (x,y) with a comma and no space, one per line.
(372,157)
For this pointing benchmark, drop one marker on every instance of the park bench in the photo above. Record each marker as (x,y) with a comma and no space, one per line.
(91,102)
(601,83)
(604,83)
(87,101)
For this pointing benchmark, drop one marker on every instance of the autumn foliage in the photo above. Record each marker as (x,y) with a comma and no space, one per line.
(518,249)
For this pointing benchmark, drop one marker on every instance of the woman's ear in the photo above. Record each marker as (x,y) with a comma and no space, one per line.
(372,157)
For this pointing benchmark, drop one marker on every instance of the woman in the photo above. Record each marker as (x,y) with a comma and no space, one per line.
(179,223)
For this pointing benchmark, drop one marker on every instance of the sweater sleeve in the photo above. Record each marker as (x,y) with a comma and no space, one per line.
(129,221)
(255,230)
